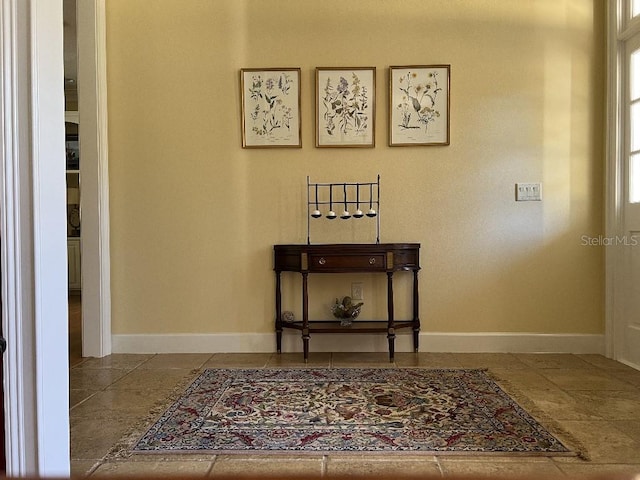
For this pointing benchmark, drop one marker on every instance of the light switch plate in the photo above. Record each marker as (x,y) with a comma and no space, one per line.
(527,192)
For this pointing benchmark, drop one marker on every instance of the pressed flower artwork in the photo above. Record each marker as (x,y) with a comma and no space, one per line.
(345,107)
(270,107)
(419,105)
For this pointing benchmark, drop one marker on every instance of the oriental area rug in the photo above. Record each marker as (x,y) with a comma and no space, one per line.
(347,410)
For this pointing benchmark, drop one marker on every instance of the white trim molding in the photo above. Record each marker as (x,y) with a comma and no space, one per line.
(620,28)
(33,225)
(19,400)
(429,342)
(94,173)
(614,182)
(576,343)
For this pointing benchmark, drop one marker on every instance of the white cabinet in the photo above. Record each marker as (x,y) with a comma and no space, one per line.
(74,263)
(73,201)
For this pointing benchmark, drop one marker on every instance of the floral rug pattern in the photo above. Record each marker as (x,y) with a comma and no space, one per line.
(347,410)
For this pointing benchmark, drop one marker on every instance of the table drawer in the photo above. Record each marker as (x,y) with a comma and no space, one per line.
(340,263)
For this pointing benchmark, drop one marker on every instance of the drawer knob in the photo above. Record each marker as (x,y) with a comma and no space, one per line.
(322,261)
(372,260)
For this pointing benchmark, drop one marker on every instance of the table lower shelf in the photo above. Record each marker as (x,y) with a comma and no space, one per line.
(357,326)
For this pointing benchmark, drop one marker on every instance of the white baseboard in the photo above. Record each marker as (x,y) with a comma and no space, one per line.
(513,343)
(429,342)
(630,364)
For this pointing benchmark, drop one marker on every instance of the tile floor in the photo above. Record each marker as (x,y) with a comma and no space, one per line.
(595,399)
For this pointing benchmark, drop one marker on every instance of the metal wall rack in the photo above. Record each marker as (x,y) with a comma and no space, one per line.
(344,196)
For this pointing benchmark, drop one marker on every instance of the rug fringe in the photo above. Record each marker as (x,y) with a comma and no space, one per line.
(123,448)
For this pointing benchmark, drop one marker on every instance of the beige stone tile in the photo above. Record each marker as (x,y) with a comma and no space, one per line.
(268,465)
(175,468)
(574,397)
(91,438)
(78,396)
(296,360)
(602,441)
(627,375)
(176,360)
(497,467)
(75,361)
(154,379)
(426,360)
(118,403)
(380,457)
(393,466)
(589,469)
(82,468)
(124,361)
(585,379)
(493,458)
(489,360)
(361,360)
(238,360)
(559,405)
(630,428)
(93,378)
(610,405)
(552,360)
(603,362)
(169,457)
(522,379)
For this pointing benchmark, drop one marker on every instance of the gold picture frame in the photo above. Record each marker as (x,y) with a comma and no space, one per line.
(270,99)
(419,105)
(345,106)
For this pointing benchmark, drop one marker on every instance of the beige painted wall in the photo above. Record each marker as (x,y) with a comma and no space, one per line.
(194,216)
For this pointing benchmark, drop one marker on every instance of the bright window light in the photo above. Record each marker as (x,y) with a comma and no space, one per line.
(634,178)
(634,77)
(634,124)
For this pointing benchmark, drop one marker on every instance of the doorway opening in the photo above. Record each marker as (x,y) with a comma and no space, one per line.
(72,143)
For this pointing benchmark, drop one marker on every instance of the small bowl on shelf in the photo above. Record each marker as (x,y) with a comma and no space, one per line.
(346,311)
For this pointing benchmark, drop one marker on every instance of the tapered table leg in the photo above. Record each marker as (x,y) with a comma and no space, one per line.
(305,316)
(391,331)
(416,316)
(278,314)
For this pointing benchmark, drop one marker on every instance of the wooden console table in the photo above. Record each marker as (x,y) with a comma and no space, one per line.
(347,258)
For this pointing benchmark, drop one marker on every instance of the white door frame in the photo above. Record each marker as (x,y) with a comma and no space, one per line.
(94,175)
(33,226)
(618,30)
(613,182)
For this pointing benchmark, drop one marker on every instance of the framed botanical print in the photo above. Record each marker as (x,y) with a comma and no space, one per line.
(73,152)
(345,107)
(270,107)
(419,105)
